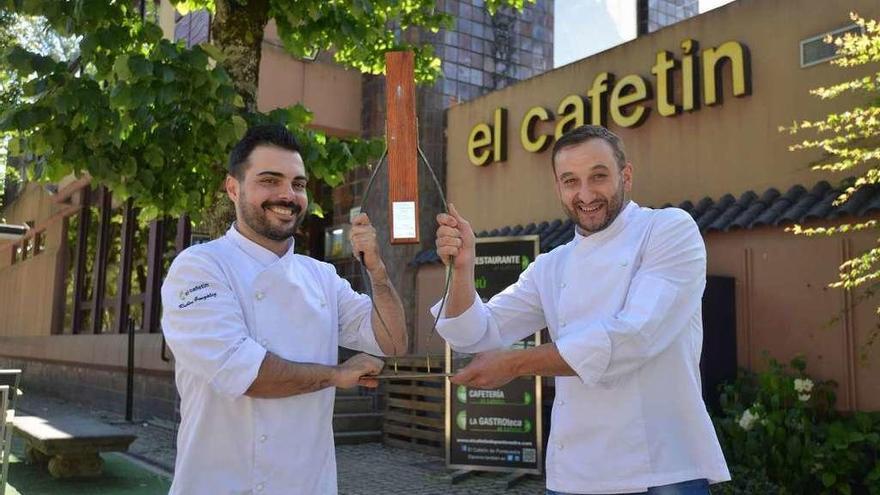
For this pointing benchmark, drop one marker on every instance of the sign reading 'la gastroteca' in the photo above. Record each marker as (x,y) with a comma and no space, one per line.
(622,99)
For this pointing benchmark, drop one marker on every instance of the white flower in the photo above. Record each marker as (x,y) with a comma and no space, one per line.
(804,397)
(748,420)
(804,386)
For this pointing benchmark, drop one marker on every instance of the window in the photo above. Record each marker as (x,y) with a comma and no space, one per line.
(40,242)
(815,51)
(28,248)
(16,253)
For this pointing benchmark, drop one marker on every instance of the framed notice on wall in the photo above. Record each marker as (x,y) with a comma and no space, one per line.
(496,430)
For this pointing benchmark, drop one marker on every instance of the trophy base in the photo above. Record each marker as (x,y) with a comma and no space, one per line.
(409,376)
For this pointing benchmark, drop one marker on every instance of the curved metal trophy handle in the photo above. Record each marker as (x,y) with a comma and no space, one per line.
(445,208)
(403,152)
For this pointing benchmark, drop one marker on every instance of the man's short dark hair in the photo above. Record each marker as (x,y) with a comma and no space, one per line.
(267,135)
(585,133)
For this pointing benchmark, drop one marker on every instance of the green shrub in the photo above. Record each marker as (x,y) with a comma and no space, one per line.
(780,427)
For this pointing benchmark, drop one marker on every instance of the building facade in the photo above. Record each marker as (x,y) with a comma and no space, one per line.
(699,105)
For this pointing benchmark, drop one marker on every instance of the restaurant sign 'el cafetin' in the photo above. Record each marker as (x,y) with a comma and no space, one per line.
(622,99)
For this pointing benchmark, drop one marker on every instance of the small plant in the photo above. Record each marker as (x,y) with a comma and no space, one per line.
(779,428)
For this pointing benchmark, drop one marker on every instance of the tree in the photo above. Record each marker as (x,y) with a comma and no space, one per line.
(34,34)
(849,142)
(154,120)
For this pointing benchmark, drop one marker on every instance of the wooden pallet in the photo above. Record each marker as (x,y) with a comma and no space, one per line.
(415,408)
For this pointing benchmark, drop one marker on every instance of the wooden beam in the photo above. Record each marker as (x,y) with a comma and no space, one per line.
(123,285)
(59,285)
(402,138)
(184,234)
(67,192)
(152,296)
(101,252)
(79,276)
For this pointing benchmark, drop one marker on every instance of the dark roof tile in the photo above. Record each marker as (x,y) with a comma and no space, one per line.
(856,201)
(702,207)
(746,217)
(821,208)
(779,206)
(715,211)
(555,230)
(803,204)
(687,206)
(730,214)
(871,206)
(541,228)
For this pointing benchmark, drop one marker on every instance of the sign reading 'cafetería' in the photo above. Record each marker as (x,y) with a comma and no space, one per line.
(623,99)
(498,429)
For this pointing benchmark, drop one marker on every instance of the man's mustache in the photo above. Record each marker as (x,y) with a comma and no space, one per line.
(295,208)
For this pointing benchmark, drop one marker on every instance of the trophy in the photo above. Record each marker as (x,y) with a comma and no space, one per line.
(402,154)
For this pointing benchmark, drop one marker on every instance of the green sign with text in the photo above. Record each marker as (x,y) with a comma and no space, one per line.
(500,429)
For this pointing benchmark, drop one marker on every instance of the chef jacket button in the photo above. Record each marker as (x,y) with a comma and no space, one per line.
(263,438)
(259,295)
(323,303)
(562,285)
(264,342)
(562,322)
(559,446)
(562,403)
(259,487)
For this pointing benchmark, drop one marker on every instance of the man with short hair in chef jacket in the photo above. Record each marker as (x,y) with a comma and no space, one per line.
(622,303)
(255,330)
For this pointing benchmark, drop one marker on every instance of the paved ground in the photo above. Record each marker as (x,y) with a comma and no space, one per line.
(364,469)
(369,469)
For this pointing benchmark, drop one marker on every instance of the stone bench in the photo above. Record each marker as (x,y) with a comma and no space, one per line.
(70,444)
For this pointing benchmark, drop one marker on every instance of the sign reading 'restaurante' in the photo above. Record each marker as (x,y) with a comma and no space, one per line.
(622,99)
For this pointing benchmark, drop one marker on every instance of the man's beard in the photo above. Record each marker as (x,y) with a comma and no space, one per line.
(256,218)
(612,208)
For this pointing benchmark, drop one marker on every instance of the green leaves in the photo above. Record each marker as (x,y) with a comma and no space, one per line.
(154,157)
(847,141)
(186,6)
(154,120)
(142,116)
(240,126)
(360,32)
(803,446)
(140,67)
(828,479)
(26,63)
(120,67)
(213,52)
(326,158)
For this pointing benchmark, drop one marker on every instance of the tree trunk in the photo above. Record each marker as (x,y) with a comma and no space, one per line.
(237,30)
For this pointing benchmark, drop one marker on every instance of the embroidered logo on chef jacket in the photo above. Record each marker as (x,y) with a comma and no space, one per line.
(198,293)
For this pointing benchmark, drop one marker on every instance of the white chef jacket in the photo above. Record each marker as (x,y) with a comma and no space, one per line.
(226,303)
(623,306)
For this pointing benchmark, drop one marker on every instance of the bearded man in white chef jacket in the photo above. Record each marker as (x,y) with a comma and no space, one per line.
(622,303)
(255,330)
